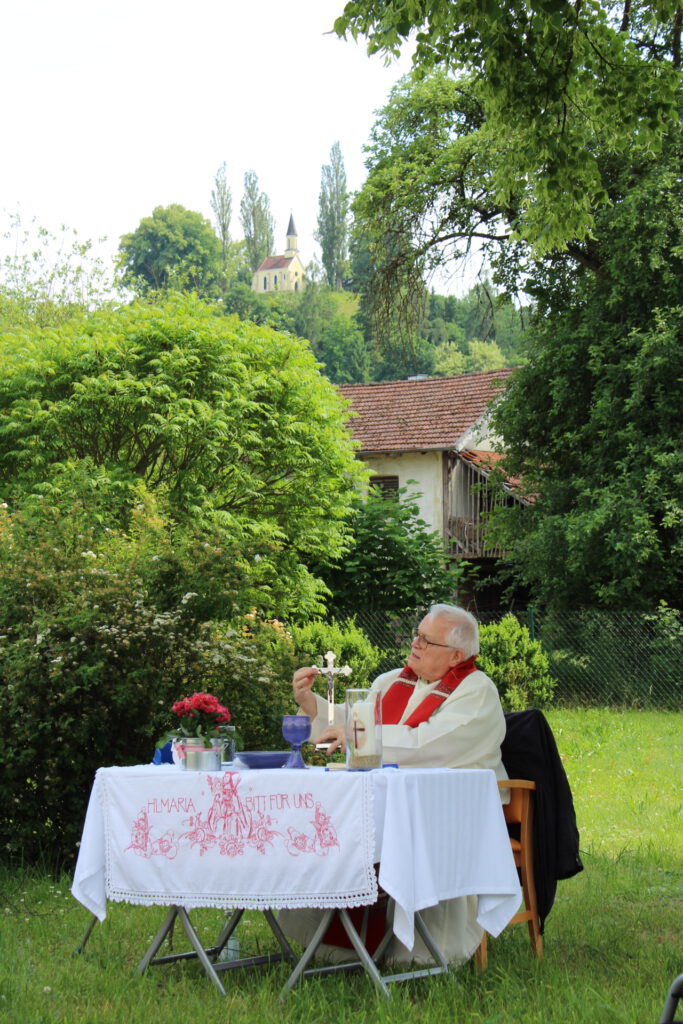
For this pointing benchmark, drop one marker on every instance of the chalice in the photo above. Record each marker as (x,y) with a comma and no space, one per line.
(296,729)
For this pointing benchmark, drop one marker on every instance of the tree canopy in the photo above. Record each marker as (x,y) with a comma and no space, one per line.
(592,421)
(333,211)
(230,426)
(257,221)
(233,257)
(176,248)
(550,75)
(576,198)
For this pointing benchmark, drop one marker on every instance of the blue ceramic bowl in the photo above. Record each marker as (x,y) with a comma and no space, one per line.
(262,758)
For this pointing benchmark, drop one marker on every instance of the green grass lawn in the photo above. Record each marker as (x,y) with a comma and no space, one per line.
(613,942)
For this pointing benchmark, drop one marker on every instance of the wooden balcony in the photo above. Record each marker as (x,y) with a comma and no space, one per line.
(466,539)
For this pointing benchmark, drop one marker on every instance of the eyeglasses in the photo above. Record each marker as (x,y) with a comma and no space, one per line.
(423,642)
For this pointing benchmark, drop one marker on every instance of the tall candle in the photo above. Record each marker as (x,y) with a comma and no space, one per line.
(363,729)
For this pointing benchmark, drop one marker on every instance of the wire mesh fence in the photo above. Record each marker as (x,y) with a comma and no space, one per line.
(597,658)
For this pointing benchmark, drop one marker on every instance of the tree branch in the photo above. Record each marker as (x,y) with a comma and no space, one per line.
(676,37)
(626,16)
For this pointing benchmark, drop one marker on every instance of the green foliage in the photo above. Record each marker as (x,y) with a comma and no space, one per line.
(592,422)
(484,325)
(257,221)
(48,278)
(174,248)
(93,652)
(394,563)
(254,663)
(250,305)
(348,641)
(450,360)
(234,265)
(333,208)
(324,318)
(549,77)
(221,205)
(426,203)
(167,469)
(516,664)
(426,196)
(232,425)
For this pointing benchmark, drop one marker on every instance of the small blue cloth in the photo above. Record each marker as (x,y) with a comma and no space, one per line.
(163,755)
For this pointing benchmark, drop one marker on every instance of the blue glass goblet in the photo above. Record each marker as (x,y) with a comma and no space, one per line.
(296,729)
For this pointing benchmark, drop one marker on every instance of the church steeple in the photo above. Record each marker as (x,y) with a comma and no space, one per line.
(292,240)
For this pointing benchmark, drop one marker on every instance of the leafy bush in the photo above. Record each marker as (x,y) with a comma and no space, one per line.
(256,662)
(395,563)
(96,643)
(516,664)
(349,643)
(231,426)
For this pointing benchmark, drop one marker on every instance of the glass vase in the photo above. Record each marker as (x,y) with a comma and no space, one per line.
(363,730)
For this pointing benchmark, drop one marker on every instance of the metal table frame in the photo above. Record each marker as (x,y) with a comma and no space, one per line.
(212,965)
(370,963)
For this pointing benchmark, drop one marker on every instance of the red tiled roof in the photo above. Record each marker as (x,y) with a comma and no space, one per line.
(416,415)
(481,459)
(274,263)
(486,461)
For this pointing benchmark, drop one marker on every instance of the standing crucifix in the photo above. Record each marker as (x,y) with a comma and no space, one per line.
(330,672)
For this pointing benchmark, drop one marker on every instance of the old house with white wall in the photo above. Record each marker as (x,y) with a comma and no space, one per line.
(281,273)
(435,432)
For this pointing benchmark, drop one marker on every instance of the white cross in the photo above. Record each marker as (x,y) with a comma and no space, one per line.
(330,672)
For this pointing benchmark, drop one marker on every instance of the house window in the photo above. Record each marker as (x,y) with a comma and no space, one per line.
(275,280)
(265,284)
(388,485)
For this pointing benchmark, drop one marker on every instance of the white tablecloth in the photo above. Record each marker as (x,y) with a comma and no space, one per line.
(253,839)
(440,834)
(161,835)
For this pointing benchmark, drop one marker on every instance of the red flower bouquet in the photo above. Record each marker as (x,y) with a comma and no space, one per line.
(201,715)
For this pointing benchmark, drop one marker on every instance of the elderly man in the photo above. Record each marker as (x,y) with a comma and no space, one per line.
(438,711)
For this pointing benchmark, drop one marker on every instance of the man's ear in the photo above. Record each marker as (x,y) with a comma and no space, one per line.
(457,655)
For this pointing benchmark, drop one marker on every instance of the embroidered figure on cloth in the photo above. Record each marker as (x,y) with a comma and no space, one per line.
(231,826)
(325,832)
(146,840)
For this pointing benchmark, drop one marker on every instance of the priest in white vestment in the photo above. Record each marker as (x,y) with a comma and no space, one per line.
(438,711)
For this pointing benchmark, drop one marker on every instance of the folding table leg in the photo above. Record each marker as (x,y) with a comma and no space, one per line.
(287,951)
(88,932)
(426,936)
(430,943)
(308,953)
(201,953)
(157,940)
(227,931)
(365,958)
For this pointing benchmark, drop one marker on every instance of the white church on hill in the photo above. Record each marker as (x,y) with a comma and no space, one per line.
(281,273)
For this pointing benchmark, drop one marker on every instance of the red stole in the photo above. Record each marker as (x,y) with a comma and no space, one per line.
(401,690)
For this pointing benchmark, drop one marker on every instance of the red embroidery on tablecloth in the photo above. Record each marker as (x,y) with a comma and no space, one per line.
(231,825)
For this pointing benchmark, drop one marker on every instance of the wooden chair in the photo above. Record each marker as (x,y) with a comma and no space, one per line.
(520,812)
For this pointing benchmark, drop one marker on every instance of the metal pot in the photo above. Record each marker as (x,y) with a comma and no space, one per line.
(193,756)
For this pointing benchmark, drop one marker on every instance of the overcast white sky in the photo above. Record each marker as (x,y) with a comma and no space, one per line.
(113,108)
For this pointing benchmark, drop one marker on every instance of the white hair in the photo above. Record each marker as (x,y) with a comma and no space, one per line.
(464,633)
